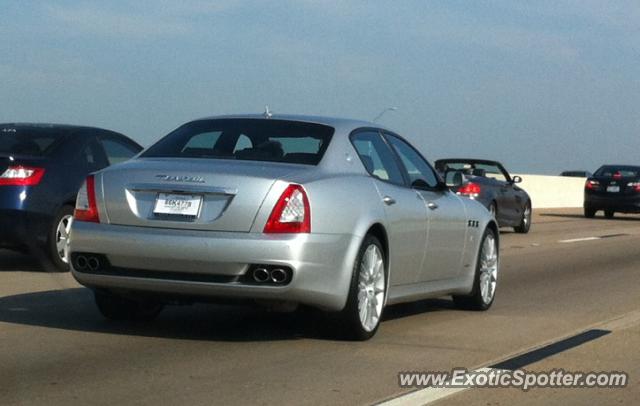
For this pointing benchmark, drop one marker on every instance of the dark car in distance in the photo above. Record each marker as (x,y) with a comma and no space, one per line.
(576,174)
(613,188)
(42,166)
(489,183)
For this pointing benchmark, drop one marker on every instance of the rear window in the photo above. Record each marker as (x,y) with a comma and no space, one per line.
(624,171)
(28,141)
(246,139)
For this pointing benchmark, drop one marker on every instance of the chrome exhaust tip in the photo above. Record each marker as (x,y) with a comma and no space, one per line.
(81,262)
(278,275)
(93,263)
(260,275)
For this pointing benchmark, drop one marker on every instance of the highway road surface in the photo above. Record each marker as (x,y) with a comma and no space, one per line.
(570,276)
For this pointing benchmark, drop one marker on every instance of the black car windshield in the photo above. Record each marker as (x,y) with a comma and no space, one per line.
(471,168)
(29,141)
(623,171)
(246,139)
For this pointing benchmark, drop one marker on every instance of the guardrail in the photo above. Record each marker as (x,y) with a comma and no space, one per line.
(553,191)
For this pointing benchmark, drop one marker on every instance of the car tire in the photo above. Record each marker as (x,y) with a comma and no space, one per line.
(609,214)
(58,241)
(589,212)
(493,209)
(116,307)
(485,280)
(525,221)
(360,318)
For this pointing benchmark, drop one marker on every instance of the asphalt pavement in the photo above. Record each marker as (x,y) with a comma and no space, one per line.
(567,276)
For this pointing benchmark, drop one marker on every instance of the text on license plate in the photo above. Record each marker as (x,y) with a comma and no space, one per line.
(185,205)
(613,189)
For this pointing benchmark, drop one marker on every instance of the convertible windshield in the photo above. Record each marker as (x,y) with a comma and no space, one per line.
(487,170)
(246,139)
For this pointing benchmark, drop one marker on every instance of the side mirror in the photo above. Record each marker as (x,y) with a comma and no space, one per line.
(453,179)
(516,179)
(419,184)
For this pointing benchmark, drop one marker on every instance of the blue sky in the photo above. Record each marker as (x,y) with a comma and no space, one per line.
(540,85)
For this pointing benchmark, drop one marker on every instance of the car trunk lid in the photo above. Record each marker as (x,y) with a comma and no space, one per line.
(193,194)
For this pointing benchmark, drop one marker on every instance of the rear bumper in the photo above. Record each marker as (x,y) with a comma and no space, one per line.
(626,204)
(14,229)
(321,263)
(24,221)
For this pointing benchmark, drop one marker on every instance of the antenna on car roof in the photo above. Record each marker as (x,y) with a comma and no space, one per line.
(384,111)
(267,113)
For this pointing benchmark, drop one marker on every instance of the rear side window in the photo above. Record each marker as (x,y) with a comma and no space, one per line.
(246,139)
(28,142)
(377,157)
(417,168)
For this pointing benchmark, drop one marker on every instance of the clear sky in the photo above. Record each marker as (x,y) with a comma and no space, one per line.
(540,85)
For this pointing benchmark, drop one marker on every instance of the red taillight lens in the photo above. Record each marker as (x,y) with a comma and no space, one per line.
(634,185)
(470,189)
(291,214)
(21,176)
(591,184)
(86,208)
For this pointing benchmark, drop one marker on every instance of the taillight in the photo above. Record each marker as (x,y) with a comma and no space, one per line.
(591,184)
(291,214)
(86,208)
(634,185)
(21,176)
(470,189)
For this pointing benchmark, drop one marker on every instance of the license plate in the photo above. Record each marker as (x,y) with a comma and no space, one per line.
(613,189)
(184,205)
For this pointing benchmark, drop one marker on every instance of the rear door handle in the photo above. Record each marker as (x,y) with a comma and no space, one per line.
(388,200)
(432,205)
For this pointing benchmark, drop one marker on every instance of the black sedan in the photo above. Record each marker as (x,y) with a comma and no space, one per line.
(613,188)
(41,169)
(489,183)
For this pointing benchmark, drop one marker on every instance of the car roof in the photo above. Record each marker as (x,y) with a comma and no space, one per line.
(52,126)
(620,166)
(335,122)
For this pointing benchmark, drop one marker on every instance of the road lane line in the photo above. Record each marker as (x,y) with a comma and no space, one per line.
(429,395)
(623,322)
(549,350)
(579,239)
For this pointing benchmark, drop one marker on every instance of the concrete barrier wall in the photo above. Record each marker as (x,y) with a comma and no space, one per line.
(553,191)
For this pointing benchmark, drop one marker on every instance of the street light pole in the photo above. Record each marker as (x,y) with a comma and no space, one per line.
(384,111)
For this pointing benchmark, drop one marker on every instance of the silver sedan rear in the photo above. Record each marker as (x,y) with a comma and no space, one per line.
(337,214)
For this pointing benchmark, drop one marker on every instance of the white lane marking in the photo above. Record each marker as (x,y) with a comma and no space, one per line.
(623,322)
(429,395)
(579,239)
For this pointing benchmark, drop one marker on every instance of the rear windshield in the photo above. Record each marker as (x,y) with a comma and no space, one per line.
(623,171)
(29,141)
(246,139)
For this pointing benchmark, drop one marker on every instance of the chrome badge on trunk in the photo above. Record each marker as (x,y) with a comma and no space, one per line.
(187,179)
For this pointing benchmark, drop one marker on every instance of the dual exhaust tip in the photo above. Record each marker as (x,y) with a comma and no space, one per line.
(274,275)
(83,263)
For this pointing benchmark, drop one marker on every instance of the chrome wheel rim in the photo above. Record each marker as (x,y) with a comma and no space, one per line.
(371,286)
(62,238)
(527,216)
(488,269)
